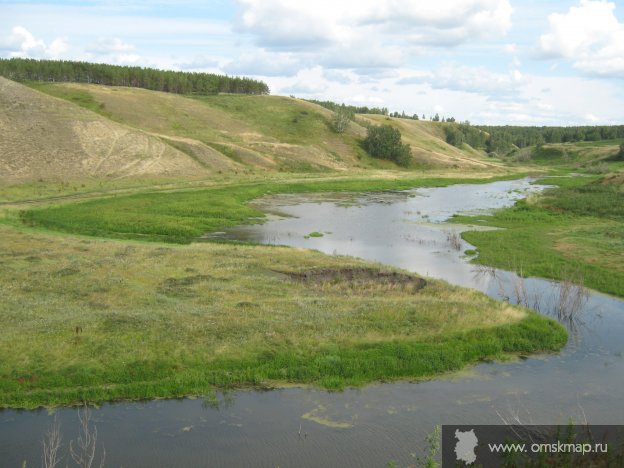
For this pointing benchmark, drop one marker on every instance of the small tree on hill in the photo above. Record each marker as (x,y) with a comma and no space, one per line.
(454,136)
(384,142)
(341,119)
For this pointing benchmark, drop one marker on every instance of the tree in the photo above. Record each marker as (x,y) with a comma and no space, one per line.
(384,142)
(454,135)
(342,117)
(19,69)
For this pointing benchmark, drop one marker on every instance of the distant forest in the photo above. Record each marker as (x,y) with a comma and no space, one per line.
(18,69)
(493,138)
(333,106)
(503,139)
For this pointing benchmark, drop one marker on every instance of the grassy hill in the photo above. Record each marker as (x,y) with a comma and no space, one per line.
(256,132)
(429,146)
(110,133)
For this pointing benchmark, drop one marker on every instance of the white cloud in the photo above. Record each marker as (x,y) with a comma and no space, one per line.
(372,56)
(511,49)
(106,46)
(22,43)
(337,76)
(365,99)
(262,63)
(199,62)
(304,87)
(351,25)
(127,59)
(468,79)
(590,35)
(57,48)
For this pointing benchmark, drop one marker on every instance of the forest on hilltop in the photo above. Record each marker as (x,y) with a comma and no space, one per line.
(19,69)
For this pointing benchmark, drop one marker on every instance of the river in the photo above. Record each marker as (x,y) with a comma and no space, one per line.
(380,422)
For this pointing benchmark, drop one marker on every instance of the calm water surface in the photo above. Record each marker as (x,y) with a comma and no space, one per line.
(382,422)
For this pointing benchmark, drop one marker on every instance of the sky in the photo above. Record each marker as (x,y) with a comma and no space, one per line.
(529,62)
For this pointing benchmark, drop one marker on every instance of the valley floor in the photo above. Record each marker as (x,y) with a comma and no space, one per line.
(88,318)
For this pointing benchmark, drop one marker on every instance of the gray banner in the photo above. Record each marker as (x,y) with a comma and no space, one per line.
(531,445)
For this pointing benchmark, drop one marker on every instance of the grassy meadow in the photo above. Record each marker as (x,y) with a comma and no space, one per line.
(575,231)
(184,216)
(95,319)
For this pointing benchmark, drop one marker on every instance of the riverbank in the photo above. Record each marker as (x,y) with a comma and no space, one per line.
(184,216)
(95,319)
(574,232)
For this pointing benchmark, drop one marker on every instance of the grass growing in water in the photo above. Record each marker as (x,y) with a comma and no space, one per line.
(575,229)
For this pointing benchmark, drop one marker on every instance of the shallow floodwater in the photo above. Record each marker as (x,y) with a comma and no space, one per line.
(381,422)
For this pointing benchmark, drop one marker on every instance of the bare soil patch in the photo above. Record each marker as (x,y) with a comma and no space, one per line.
(359,276)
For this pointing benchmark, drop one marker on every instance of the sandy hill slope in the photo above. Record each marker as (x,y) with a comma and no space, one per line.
(42,137)
(429,145)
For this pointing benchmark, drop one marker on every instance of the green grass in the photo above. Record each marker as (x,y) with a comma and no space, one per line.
(77,96)
(613,142)
(280,117)
(91,319)
(182,217)
(575,230)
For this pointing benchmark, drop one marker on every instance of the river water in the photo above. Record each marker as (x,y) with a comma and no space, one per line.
(381,422)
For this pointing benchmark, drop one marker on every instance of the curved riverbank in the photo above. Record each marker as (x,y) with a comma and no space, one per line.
(96,320)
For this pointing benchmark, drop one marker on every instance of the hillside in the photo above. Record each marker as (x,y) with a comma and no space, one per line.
(70,131)
(42,137)
(260,132)
(429,146)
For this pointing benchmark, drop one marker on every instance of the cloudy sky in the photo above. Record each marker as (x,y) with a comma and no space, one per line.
(488,61)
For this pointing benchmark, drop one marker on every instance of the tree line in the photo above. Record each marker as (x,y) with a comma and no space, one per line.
(19,69)
(352,110)
(503,139)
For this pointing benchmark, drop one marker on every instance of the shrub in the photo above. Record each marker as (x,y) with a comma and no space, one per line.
(341,119)
(384,142)
(454,136)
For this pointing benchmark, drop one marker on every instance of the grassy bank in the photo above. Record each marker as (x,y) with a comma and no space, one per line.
(104,319)
(181,217)
(573,232)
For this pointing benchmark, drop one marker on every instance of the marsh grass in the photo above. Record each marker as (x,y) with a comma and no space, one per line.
(184,216)
(454,240)
(145,320)
(574,228)
(565,301)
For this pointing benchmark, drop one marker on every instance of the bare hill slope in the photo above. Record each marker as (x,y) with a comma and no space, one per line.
(42,137)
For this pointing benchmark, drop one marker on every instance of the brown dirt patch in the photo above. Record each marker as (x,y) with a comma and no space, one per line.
(358,276)
(181,287)
(613,179)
